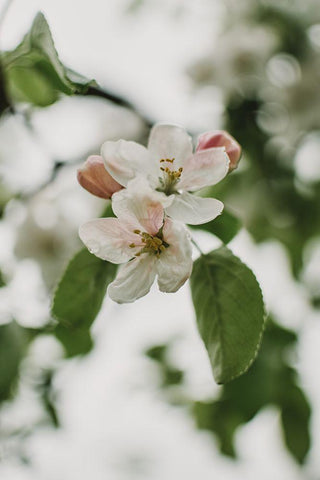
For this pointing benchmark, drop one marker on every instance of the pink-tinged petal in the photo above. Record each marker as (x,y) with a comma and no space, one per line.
(124,160)
(94,177)
(220,138)
(194,210)
(204,168)
(109,239)
(140,206)
(133,280)
(174,265)
(170,141)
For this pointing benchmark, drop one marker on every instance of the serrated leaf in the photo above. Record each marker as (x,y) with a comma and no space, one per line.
(230,312)
(34,72)
(225,226)
(78,299)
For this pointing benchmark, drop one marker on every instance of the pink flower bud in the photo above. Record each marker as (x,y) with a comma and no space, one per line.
(220,138)
(94,177)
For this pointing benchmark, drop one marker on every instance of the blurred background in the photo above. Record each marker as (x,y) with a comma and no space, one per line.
(140,402)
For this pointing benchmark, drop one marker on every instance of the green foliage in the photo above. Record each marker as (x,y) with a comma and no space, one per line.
(270,381)
(33,71)
(230,312)
(225,227)
(13,342)
(78,299)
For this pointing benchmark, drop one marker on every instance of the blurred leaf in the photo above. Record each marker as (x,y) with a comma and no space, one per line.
(108,212)
(34,72)
(225,227)
(270,381)
(158,353)
(170,374)
(2,282)
(78,299)
(4,101)
(230,312)
(45,390)
(13,342)
(295,416)
(134,6)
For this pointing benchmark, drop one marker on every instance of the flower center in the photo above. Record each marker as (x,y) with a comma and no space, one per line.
(153,244)
(170,177)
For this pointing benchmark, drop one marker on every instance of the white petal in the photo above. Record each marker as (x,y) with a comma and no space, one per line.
(170,141)
(194,210)
(141,206)
(123,160)
(133,280)
(174,265)
(204,168)
(109,239)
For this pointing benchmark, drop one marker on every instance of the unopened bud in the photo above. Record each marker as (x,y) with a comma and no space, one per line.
(220,138)
(94,177)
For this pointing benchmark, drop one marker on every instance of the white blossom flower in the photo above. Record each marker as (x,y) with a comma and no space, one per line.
(147,242)
(171,167)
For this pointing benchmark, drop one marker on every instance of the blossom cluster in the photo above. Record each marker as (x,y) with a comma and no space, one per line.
(151,190)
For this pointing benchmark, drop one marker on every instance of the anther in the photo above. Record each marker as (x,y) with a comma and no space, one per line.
(132,245)
(137,231)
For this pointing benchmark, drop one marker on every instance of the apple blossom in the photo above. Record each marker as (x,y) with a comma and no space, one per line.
(220,138)
(171,167)
(94,177)
(147,242)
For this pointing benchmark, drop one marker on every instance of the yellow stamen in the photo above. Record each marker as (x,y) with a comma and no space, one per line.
(152,244)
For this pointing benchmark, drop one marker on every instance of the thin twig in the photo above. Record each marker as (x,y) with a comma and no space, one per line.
(117,100)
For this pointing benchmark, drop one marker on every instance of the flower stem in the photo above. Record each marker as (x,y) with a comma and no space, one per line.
(197,246)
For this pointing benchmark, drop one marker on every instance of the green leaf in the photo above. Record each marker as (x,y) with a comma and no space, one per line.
(78,299)
(13,342)
(34,72)
(230,312)
(225,227)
